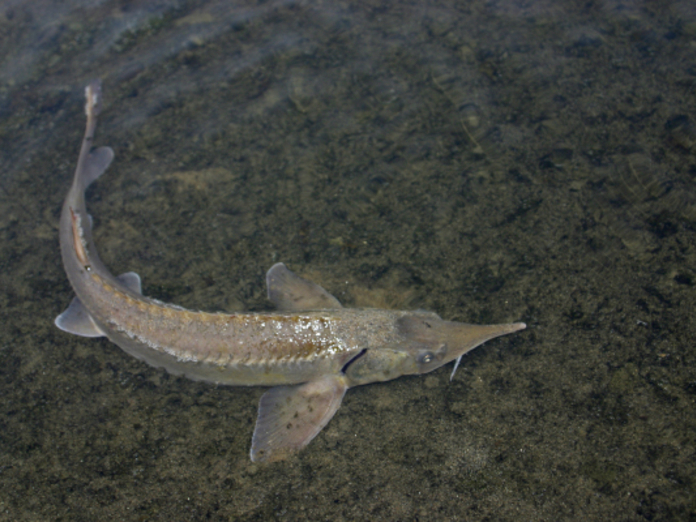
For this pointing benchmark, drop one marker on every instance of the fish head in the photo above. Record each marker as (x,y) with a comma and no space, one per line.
(432,342)
(424,342)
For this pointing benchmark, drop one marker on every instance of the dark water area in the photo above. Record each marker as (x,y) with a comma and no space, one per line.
(489,161)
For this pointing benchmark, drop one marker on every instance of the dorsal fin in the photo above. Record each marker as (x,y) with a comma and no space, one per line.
(290,292)
(96,163)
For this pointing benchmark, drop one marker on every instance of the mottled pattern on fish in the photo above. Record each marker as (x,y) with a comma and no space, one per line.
(246,348)
(312,346)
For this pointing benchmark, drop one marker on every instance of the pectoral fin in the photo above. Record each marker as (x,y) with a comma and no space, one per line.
(289,291)
(291,416)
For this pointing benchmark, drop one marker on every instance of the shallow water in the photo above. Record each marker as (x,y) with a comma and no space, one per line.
(492,162)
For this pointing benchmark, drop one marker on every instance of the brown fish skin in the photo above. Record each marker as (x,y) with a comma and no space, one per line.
(312,349)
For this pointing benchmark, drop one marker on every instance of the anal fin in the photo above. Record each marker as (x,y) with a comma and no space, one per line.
(76,320)
(291,416)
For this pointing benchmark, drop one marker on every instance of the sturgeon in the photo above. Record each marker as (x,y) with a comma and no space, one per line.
(310,350)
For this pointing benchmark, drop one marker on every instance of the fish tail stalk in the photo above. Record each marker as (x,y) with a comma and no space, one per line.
(93,107)
(93,94)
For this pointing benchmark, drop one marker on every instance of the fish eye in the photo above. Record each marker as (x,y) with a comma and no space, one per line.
(426,357)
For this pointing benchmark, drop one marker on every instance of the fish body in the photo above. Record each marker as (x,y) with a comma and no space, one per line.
(311,350)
